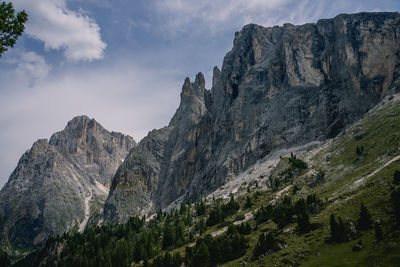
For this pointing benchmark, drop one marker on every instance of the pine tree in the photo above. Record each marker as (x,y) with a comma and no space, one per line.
(266,243)
(231,207)
(378,232)
(396,177)
(167,261)
(395,198)
(200,207)
(303,221)
(359,151)
(259,248)
(283,213)
(169,237)
(183,209)
(4,258)
(342,237)
(177,259)
(248,203)
(188,255)
(201,226)
(179,233)
(334,228)
(365,221)
(202,257)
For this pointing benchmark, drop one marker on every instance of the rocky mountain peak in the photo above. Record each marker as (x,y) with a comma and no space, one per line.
(78,128)
(39,146)
(193,101)
(216,76)
(200,82)
(278,87)
(58,185)
(246,34)
(186,87)
(196,88)
(86,141)
(80,120)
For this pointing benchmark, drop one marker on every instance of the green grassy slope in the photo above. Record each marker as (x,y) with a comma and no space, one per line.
(348,183)
(357,167)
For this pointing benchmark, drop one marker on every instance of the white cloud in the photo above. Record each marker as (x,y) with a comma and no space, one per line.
(219,15)
(215,12)
(27,68)
(60,28)
(33,66)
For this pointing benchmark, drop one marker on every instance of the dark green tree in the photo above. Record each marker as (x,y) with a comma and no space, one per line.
(167,261)
(395,198)
(201,226)
(283,213)
(179,233)
(177,259)
(238,244)
(169,237)
(396,177)
(295,189)
(188,255)
(364,221)
(11,25)
(248,203)
(200,208)
(341,232)
(4,258)
(378,231)
(303,221)
(216,215)
(297,163)
(231,207)
(266,244)
(334,228)
(263,214)
(202,257)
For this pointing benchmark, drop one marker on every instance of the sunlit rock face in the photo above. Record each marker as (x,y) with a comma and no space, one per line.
(278,87)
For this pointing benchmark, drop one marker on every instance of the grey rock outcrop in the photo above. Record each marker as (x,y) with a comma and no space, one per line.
(58,184)
(278,87)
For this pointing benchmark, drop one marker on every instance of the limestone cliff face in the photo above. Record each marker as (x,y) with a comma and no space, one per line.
(97,150)
(278,87)
(159,168)
(58,184)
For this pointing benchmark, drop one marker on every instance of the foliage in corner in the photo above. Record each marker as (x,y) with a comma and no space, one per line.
(11,25)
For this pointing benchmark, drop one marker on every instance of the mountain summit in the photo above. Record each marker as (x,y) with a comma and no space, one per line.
(58,184)
(279,87)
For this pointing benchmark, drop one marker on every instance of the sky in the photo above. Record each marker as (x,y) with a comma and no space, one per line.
(123,62)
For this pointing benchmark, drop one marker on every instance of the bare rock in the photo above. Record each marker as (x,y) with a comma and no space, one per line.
(58,184)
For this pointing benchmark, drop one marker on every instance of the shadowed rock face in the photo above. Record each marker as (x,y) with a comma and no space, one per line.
(57,184)
(278,87)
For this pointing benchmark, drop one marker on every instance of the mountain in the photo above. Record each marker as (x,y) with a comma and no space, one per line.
(58,185)
(335,203)
(279,87)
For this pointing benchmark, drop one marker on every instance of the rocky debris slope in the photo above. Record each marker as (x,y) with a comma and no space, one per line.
(279,87)
(58,184)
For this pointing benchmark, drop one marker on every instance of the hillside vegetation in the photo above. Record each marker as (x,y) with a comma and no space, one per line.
(336,205)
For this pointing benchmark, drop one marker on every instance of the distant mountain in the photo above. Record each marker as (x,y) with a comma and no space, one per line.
(279,87)
(282,211)
(58,185)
